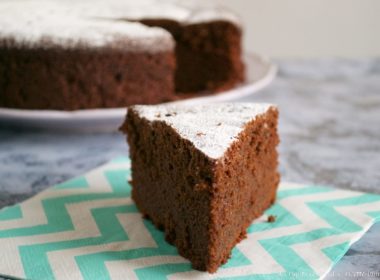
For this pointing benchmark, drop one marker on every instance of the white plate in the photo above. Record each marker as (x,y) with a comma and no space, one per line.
(260,73)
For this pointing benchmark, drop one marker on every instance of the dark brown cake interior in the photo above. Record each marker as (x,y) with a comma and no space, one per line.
(243,186)
(171,185)
(208,54)
(203,205)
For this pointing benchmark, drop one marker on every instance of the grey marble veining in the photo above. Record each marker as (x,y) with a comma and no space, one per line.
(329,122)
(330,135)
(30,162)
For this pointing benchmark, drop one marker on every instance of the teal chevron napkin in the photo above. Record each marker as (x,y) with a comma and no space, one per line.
(89,228)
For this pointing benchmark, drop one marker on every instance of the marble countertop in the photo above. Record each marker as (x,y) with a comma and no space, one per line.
(330,135)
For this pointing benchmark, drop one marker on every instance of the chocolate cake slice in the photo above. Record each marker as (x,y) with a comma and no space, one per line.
(203,173)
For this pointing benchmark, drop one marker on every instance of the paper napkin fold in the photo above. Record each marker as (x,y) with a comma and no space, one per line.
(89,228)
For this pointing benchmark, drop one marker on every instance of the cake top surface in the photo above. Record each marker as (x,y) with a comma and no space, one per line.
(188,12)
(211,128)
(99,23)
(36,22)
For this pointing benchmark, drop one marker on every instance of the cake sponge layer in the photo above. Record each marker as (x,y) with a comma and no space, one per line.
(202,174)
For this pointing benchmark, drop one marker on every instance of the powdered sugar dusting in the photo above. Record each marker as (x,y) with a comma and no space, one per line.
(180,11)
(132,10)
(211,128)
(99,23)
(53,22)
(213,14)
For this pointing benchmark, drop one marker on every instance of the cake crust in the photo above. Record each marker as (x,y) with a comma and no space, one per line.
(62,79)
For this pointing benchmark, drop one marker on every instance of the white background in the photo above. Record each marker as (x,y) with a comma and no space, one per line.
(310,28)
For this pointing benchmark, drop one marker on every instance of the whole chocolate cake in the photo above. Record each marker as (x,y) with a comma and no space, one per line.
(202,174)
(69,55)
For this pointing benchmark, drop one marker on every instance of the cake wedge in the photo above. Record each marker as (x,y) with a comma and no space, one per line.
(203,173)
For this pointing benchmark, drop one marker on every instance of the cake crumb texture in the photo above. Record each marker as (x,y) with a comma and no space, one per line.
(203,200)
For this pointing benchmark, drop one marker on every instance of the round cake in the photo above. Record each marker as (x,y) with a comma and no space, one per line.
(64,55)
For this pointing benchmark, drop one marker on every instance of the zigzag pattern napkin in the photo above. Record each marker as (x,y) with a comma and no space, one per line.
(89,228)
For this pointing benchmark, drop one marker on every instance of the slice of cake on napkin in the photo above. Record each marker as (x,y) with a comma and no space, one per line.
(203,173)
